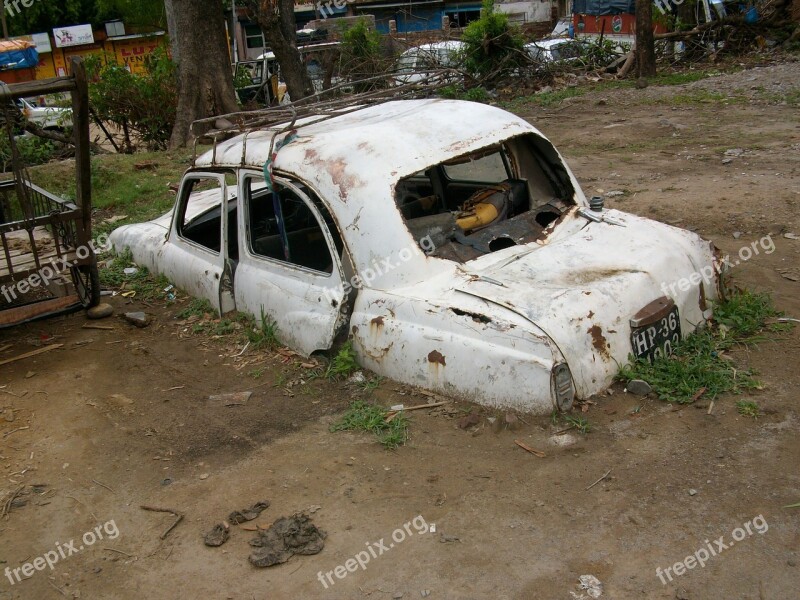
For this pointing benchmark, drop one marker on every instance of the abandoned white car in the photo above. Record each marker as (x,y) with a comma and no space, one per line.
(447,239)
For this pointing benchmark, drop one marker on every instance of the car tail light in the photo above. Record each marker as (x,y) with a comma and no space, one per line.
(563,388)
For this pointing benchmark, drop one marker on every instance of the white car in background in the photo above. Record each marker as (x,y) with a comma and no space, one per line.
(544,52)
(415,64)
(47,117)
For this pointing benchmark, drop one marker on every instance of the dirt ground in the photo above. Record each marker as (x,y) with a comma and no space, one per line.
(121,418)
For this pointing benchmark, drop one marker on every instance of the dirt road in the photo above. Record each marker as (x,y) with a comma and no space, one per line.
(121,418)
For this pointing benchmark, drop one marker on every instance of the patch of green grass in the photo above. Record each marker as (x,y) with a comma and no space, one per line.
(745,314)
(344,363)
(681,77)
(747,408)
(701,96)
(264,335)
(197,307)
(362,416)
(579,423)
(697,361)
(257,373)
(146,285)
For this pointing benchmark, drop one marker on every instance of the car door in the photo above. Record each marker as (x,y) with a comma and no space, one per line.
(195,257)
(290,268)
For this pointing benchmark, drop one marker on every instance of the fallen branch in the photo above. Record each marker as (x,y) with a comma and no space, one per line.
(33,353)
(607,473)
(524,446)
(178,517)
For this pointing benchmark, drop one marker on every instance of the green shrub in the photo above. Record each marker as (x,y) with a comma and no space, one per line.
(494,47)
(144,105)
(32,150)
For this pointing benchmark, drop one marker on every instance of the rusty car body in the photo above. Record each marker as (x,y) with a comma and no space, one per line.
(449,240)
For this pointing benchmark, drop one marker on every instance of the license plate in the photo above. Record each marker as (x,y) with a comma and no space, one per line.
(653,340)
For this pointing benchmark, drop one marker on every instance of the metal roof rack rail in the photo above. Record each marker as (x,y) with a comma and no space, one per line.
(311,109)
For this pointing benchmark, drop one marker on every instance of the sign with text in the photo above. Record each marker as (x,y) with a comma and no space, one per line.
(73,36)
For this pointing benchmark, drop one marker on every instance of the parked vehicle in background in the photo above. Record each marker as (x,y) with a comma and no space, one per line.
(415,63)
(448,239)
(47,117)
(260,80)
(544,52)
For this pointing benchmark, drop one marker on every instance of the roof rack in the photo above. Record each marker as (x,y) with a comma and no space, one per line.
(312,109)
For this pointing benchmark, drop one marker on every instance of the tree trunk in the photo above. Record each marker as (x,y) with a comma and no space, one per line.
(276,19)
(205,81)
(645,44)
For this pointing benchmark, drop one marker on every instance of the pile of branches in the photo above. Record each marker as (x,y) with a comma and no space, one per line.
(733,34)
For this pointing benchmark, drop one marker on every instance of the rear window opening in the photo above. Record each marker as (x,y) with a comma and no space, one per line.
(499,197)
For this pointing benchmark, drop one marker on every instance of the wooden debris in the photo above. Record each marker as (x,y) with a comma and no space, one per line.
(8,433)
(93,326)
(533,451)
(103,485)
(607,473)
(10,499)
(32,353)
(178,517)
(698,393)
(710,407)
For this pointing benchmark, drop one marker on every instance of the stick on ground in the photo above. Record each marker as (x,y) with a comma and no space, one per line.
(607,473)
(178,517)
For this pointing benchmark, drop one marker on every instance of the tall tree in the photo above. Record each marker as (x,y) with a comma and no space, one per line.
(205,80)
(276,19)
(645,43)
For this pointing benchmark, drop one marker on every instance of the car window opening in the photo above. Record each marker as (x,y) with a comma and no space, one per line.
(488,200)
(302,241)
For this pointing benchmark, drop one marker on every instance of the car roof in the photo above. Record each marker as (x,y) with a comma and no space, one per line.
(354,161)
(397,137)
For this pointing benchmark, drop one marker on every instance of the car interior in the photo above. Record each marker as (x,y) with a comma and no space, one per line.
(486,201)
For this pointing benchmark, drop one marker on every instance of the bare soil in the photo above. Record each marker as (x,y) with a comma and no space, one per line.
(120,418)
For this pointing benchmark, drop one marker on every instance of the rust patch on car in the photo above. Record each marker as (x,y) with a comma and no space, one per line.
(341,179)
(377,321)
(703,303)
(599,341)
(436,357)
(590,315)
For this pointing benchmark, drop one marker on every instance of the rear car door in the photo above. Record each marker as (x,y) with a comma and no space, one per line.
(289,267)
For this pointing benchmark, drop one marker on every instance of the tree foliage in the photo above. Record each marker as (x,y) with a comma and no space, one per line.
(46,15)
(494,46)
(361,53)
(134,13)
(143,105)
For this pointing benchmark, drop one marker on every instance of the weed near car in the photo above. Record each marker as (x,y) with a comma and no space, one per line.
(146,286)
(363,416)
(344,363)
(699,362)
